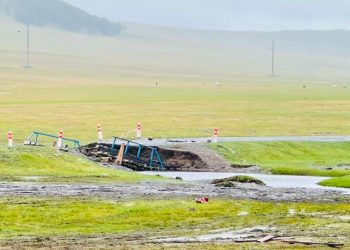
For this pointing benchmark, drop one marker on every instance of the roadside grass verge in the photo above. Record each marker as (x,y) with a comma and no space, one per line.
(69,217)
(299,158)
(292,158)
(40,164)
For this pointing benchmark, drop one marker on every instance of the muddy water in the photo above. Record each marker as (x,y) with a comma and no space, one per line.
(276,181)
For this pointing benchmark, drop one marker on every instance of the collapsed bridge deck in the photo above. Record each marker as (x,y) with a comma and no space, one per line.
(173,160)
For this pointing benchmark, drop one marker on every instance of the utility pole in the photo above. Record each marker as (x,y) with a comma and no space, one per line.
(28,36)
(273,59)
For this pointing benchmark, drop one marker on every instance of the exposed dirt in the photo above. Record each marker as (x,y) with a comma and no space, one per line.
(174,159)
(228,239)
(172,189)
(190,157)
(237,179)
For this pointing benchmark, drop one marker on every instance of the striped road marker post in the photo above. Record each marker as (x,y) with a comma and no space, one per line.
(216,135)
(139,131)
(99,133)
(60,140)
(10,139)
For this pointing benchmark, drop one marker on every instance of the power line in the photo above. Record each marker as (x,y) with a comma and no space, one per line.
(28,40)
(273,59)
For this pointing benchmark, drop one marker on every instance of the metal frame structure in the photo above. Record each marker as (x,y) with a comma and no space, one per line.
(36,135)
(154,152)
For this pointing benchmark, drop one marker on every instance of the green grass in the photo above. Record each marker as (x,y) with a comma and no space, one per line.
(343,181)
(292,158)
(47,217)
(46,165)
(274,109)
(74,85)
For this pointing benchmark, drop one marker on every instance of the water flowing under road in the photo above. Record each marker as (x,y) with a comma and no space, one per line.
(276,181)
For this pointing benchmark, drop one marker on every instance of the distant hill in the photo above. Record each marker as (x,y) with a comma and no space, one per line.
(58,14)
(148,53)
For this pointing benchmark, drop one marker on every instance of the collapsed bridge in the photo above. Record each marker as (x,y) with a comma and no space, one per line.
(139,157)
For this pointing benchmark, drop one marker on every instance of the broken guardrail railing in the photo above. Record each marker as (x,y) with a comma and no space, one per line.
(33,139)
(152,160)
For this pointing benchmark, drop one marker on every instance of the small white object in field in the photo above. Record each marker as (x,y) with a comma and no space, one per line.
(218,84)
(335,86)
(243,213)
(291,211)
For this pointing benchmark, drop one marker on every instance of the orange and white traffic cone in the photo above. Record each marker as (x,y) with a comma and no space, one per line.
(60,140)
(99,133)
(138,131)
(10,139)
(216,135)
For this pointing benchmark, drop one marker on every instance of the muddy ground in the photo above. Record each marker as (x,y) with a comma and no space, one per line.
(191,157)
(219,239)
(163,189)
(166,190)
(172,189)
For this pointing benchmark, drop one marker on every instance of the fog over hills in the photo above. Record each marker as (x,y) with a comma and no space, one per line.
(57,14)
(234,15)
(147,52)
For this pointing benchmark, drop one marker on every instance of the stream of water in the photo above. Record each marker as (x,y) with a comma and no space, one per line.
(277,181)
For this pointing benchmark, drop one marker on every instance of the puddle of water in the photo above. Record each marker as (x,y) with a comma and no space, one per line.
(223,235)
(277,181)
(31,178)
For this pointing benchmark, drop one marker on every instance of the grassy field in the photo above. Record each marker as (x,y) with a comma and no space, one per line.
(46,165)
(78,217)
(293,158)
(78,81)
(36,101)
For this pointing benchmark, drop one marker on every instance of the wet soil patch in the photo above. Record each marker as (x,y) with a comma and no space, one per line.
(236,179)
(174,160)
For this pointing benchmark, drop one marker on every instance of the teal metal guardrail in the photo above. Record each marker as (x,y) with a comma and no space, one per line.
(153,160)
(34,139)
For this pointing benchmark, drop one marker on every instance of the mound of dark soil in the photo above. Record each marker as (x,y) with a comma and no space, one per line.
(237,179)
(175,160)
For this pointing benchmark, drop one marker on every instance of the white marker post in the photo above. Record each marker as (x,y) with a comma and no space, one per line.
(216,135)
(99,133)
(10,139)
(60,140)
(138,131)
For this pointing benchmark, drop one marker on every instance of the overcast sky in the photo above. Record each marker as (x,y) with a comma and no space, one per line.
(265,15)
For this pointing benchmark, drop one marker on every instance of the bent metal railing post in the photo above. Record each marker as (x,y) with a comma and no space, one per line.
(150,162)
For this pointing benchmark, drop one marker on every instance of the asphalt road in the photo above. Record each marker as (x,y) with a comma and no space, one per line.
(162,142)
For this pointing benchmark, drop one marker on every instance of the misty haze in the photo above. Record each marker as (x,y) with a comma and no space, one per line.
(189,124)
